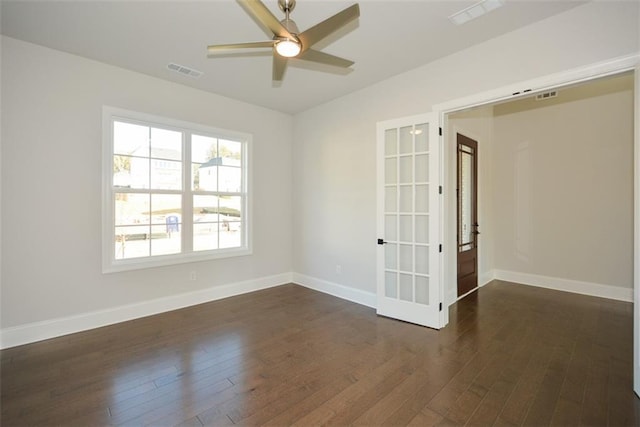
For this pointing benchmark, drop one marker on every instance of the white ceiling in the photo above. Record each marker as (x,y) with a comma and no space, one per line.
(389,38)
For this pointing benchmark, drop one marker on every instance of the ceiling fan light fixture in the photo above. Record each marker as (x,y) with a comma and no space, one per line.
(288,48)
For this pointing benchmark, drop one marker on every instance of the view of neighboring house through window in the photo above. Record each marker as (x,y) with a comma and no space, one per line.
(217,178)
(176,192)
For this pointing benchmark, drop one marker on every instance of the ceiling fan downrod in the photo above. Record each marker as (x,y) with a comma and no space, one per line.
(287,6)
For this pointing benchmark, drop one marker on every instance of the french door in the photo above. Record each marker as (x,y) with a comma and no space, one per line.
(409,285)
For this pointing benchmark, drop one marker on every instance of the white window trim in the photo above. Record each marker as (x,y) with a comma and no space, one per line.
(109,263)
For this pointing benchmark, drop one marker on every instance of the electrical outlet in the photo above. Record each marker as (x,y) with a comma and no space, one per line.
(339,269)
(193,276)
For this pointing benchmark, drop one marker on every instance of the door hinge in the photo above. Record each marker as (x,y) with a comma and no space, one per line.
(440,131)
(440,247)
(440,306)
(440,189)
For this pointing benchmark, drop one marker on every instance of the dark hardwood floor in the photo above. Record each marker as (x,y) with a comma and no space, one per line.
(511,355)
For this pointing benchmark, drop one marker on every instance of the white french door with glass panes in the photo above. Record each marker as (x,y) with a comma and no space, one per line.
(409,210)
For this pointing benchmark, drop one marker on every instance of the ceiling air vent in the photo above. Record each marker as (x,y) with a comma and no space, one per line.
(475,11)
(181,69)
(546,95)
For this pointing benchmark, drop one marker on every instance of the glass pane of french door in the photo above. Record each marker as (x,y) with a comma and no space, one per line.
(406,216)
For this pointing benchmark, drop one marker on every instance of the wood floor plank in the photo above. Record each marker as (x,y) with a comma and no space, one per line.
(344,401)
(424,418)
(511,355)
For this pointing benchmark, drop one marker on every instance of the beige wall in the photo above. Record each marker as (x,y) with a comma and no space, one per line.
(563,184)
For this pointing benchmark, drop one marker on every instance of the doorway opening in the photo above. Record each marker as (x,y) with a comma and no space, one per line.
(545,175)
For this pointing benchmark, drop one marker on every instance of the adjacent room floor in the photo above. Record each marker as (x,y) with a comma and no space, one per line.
(511,355)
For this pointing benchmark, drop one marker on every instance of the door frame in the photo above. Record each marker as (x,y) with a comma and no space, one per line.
(525,89)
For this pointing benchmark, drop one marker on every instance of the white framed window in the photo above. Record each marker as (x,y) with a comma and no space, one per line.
(173,191)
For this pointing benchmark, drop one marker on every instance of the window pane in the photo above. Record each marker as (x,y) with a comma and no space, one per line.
(391,284)
(205,236)
(122,171)
(422,137)
(390,256)
(132,208)
(230,174)
(422,290)
(422,168)
(203,148)
(230,208)
(206,176)
(166,214)
(139,172)
(390,199)
(163,241)
(406,140)
(205,222)
(205,209)
(204,154)
(131,242)
(406,287)
(229,179)
(406,228)
(166,208)
(406,257)
(406,169)
(230,222)
(230,150)
(391,170)
(390,142)
(130,139)
(230,234)
(166,144)
(166,175)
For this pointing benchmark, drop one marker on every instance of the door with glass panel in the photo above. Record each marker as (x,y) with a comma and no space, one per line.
(409,285)
(467,208)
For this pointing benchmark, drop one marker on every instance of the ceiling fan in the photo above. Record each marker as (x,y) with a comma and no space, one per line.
(288,41)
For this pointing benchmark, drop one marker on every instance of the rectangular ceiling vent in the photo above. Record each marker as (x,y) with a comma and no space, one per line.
(181,69)
(475,11)
(546,95)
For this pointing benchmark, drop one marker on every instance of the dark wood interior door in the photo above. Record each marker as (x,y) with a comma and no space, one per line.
(467,212)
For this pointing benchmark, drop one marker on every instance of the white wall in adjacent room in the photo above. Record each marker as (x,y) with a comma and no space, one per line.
(563,184)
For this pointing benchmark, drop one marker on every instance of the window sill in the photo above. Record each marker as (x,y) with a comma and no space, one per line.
(115,266)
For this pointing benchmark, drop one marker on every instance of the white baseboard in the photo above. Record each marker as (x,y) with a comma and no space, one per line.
(452,291)
(575,286)
(351,294)
(486,277)
(38,331)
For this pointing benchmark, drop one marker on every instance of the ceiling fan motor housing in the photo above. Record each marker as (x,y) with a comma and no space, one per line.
(286,5)
(290,25)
